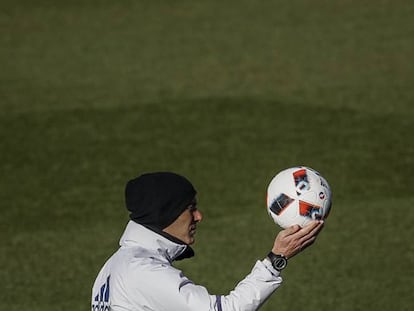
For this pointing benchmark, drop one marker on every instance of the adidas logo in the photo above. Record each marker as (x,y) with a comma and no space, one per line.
(101,300)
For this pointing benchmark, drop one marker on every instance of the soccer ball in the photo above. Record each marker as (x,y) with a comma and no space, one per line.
(298,195)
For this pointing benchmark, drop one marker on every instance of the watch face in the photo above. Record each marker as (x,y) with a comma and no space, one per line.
(279,263)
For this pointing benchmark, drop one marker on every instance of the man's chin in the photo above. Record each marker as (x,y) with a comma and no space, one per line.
(191,241)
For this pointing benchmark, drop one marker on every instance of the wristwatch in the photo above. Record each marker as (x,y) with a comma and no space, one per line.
(279,262)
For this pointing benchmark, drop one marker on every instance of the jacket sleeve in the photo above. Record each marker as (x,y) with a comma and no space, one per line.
(248,295)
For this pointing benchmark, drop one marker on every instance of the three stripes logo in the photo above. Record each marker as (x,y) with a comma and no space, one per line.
(101,300)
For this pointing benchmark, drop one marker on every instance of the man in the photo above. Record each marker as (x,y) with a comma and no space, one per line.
(164,217)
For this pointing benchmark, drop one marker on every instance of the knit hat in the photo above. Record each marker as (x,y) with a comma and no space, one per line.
(155,200)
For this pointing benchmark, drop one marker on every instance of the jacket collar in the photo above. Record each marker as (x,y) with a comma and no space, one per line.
(136,235)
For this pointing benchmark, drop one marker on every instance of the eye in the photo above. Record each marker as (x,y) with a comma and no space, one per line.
(192,208)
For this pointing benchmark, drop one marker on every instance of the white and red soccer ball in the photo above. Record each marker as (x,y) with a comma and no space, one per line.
(298,195)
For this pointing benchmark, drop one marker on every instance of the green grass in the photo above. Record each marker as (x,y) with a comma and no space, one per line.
(95,93)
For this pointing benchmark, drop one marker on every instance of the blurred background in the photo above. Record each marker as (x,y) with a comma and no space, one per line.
(93,93)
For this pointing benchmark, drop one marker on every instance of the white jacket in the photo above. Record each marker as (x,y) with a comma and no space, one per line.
(140,276)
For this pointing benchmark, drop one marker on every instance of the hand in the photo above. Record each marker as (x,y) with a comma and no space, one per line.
(295,239)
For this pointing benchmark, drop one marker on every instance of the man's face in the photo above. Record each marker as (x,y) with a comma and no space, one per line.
(184,227)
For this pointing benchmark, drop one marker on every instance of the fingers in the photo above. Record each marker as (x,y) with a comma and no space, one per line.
(309,233)
(294,239)
(311,229)
(290,230)
(307,243)
(299,232)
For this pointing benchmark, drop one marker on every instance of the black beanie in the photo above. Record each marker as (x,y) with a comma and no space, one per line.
(156,200)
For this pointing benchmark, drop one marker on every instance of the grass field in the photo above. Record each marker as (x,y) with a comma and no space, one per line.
(94,93)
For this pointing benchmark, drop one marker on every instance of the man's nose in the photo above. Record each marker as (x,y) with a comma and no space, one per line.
(198,216)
